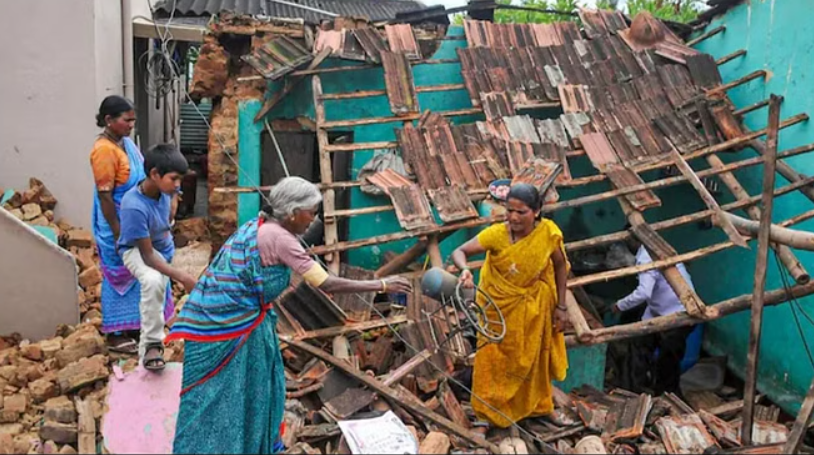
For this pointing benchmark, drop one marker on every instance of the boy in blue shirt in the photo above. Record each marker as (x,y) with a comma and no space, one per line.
(146,244)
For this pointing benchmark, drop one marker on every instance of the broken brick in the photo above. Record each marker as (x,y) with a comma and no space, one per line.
(61,433)
(90,277)
(82,373)
(16,213)
(31,351)
(9,416)
(60,409)
(86,344)
(67,450)
(31,211)
(11,428)
(42,390)
(50,347)
(16,403)
(40,221)
(50,448)
(84,258)
(6,444)
(79,238)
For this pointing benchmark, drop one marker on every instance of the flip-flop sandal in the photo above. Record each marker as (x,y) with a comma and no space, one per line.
(125,347)
(154,361)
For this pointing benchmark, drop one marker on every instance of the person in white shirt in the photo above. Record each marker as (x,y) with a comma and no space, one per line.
(650,373)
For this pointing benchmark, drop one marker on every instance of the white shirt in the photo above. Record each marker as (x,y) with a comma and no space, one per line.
(654,290)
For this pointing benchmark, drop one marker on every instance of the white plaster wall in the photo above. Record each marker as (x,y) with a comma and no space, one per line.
(38,282)
(59,59)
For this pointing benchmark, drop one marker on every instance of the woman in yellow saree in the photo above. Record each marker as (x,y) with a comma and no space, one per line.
(525,274)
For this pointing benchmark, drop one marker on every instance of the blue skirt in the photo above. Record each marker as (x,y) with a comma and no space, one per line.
(233,394)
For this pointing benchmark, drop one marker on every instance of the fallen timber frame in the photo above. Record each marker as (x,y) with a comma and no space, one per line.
(349,245)
(676,320)
(395,394)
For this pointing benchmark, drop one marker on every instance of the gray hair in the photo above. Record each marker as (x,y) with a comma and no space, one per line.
(291,194)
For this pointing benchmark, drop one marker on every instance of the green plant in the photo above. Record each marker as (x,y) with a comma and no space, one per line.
(672,10)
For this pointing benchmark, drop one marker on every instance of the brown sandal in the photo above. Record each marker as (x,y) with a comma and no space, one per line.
(154,362)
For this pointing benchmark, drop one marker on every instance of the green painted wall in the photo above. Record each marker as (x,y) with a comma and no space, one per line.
(778,38)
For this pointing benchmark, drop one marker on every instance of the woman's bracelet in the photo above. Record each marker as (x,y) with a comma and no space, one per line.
(384,286)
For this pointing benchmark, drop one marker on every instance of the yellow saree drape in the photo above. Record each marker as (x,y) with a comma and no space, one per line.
(515,376)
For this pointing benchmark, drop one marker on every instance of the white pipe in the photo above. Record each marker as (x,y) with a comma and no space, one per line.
(128,83)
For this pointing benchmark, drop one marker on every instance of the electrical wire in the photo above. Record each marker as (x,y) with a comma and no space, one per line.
(253,184)
(793,305)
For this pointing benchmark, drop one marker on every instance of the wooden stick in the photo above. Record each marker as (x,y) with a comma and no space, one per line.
(380,120)
(577,318)
(402,260)
(660,264)
(372,93)
(342,69)
(717,311)
(730,57)
(769,167)
(787,257)
(749,77)
(362,146)
(434,251)
(706,35)
(86,426)
(326,176)
(801,423)
(348,328)
(686,294)
(708,199)
(722,147)
(796,239)
(681,220)
(750,108)
(413,405)
(407,367)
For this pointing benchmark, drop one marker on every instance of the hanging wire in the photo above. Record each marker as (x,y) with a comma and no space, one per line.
(415,351)
(794,305)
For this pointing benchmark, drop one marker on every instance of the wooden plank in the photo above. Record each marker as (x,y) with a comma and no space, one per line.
(326,177)
(706,35)
(728,58)
(736,83)
(350,328)
(452,407)
(86,426)
(756,326)
(676,320)
(413,405)
(720,219)
(374,93)
(800,423)
(381,120)
(751,108)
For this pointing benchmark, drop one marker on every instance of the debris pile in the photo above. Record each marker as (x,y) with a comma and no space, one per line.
(52,392)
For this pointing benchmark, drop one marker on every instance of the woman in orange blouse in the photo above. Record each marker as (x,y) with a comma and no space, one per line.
(117,166)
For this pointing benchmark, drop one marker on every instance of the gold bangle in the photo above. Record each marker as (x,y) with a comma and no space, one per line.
(384,286)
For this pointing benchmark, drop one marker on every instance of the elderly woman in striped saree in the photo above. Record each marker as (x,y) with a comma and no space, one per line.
(233,391)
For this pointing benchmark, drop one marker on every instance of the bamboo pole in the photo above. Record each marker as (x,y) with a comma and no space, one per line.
(787,257)
(331,332)
(396,395)
(730,57)
(577,318)
(750,108)
(777,234)
(717,311)
(706,35)
(769,168)
(402,260)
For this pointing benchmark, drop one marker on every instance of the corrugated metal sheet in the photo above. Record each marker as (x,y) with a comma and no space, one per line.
(374,10)
(278,57)
(496,105)
(427,168)
(599,150)
(704,70)
(402,40)
(505,36)
(398,78)
(575,98)
(194,130)
(357,305)
(626,420)
(312,309)
(411,205)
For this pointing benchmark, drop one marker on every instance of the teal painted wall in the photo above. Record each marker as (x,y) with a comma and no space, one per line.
(778,38)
